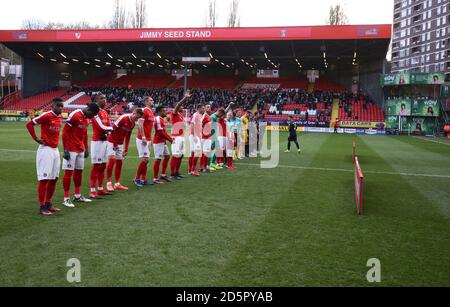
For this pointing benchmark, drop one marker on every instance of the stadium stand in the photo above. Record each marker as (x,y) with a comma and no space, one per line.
(143,81)
(360,109)
(283,82)
(208,82)
(101,81)
(36,102)
(323,84)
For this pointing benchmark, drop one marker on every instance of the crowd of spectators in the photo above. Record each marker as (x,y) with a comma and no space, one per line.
(130,97)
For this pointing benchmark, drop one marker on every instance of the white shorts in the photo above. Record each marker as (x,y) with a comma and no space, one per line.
(161,150)
(118,154)
(99,152)
(143,150)
(178,146)
(206,146)
(48,163)
(195,146)
(76,161)
(230,147)
(222,143)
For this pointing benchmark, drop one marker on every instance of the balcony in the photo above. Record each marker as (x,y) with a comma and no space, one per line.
(415,39)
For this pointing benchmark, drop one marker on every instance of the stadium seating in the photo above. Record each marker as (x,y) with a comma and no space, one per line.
(101,81)
(208,82)
(370,112)
(284,82)
(323,84)
(143,81)
(36,102)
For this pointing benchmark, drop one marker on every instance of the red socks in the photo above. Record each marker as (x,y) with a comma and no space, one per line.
(203,161)
(118,170)
(175,164)
(66,182)
(42,187)
(141,171)
(190,164)
(101,175)
(180,159)
(156,169)
(194,164)
(164,165)
(77,178)
(109,169)
(50,191)
(229,161)
(94,175)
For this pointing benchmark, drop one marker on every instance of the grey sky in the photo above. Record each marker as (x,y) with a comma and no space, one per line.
(184,13)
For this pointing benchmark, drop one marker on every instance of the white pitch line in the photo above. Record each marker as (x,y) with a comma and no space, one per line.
(433,141)
(326,169)
(349,170)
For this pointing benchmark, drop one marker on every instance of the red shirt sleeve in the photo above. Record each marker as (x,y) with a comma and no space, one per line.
(31,130)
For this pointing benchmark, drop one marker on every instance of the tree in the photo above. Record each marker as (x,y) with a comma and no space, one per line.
(138,18)
(119,18)
(233,19)
(37,24)
(337,16)
(33,24)
(212,14)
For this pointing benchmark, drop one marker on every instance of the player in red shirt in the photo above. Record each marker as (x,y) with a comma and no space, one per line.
(206,138)
(75,142)
(177,122)
(160,147)
(118,142)
(101,127)
(47,156)
(195,138)
(143,142)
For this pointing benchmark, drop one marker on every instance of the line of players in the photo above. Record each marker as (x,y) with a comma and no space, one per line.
(212,140)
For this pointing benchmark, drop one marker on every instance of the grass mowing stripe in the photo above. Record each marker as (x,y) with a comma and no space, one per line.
(265,258)
(433,141)
(316,239)
(421,159)
(348,170)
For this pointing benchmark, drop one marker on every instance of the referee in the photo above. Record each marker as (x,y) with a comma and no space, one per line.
(292,135)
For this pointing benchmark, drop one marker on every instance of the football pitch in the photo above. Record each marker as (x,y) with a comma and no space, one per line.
(293,225)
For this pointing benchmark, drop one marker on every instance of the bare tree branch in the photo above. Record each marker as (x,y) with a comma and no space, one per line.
(337,16)
(212,14)
(119,18)
(233,17)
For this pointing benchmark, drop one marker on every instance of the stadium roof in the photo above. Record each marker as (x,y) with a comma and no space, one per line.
(268,47)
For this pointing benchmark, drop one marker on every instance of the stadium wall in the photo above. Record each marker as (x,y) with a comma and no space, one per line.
(369,80)
(39,76)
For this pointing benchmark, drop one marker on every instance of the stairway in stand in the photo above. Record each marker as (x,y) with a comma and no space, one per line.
(334,112)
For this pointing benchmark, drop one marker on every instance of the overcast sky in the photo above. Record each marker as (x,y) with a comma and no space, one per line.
(192,13)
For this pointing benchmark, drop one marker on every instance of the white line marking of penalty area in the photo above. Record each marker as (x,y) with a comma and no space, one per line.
(350,170)
(432,141)
(290,166)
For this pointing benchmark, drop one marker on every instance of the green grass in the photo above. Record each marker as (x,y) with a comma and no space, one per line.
(294,225)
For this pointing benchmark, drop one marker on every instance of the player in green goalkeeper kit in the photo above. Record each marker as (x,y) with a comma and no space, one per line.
(221,113)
